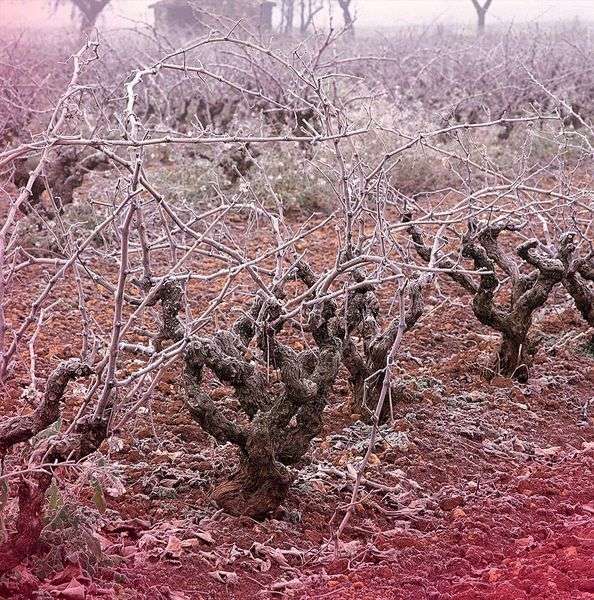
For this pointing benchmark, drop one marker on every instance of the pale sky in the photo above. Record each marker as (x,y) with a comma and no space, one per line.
(370,13)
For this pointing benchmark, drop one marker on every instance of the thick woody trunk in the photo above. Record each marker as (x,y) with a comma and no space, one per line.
(582,294)
(261,483)
(514,358)
(29,524)
(280,426)
(256,490)
(33,486)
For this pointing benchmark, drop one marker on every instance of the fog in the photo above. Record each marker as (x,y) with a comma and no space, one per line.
(382,13)
(369,13)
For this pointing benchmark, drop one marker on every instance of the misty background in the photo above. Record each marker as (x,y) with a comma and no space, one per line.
(374,14)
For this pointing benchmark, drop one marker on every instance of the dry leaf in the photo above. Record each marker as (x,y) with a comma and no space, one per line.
(226,577)
(148,541)
(204,536)
(275,554)
(174,547)
(318,486)
(551,451)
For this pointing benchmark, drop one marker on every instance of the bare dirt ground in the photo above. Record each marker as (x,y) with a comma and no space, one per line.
(478,491)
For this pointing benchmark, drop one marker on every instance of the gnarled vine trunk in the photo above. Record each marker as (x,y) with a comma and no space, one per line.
(258,487)
(32,488)
(277,426)
(367,366)
(515,356)
(29,523)
(528,292)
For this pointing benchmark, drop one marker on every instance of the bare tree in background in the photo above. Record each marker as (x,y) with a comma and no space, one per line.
(308,10)
(287,15)
(87,10)
(481,11)
(345,6)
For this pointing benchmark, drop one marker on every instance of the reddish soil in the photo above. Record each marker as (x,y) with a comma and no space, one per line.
(483,490)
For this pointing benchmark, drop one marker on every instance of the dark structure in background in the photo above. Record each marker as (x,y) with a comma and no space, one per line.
(185,15)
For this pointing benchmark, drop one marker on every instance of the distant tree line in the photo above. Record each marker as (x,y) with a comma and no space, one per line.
(294,14)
